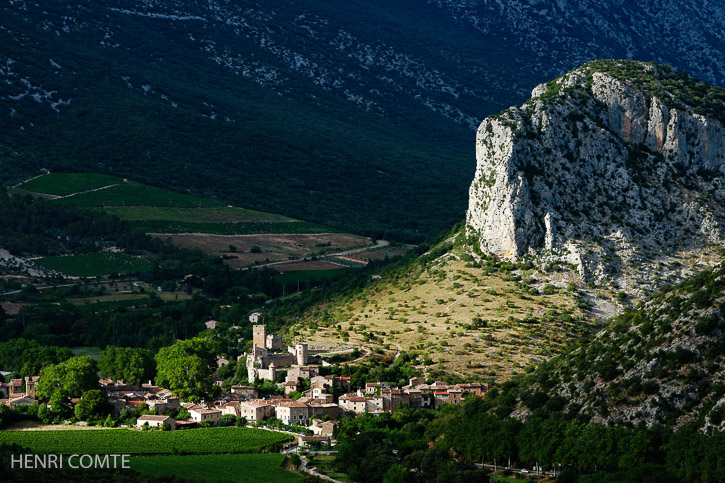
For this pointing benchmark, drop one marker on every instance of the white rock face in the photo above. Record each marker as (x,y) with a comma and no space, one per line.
(594,172)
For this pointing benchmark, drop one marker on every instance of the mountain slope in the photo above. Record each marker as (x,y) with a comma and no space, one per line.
(618,168)
(481,320)
(659,364)
(358,117)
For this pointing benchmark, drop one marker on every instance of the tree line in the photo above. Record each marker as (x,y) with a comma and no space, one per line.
(424,445)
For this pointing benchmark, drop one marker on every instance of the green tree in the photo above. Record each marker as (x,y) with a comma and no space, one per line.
(229,420)
(93,406)
(398,474)
(186,369)
(133,366)
(183,415)
(28,357)
(75,376)
(60,404)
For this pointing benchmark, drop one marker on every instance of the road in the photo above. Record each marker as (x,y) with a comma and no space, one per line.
(378,244)
(522,471)
(46,287)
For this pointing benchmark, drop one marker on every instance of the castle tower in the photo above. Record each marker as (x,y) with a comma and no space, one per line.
(272,372)
(259,336)
(252,372)
(301,353)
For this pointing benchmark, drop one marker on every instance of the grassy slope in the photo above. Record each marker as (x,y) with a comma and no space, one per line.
(429,306)
(221,214)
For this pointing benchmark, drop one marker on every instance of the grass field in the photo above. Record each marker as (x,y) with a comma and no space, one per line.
(212,440)
(212,214)
(251,468)
(135,194)
(63,184)
(109,298)
(93,352)
(304,276)
(96,264)
(242,228)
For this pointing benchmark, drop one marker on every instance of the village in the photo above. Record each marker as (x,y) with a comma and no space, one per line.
(311,403)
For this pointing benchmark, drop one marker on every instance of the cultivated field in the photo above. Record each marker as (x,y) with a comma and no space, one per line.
(272,247)
(252,468)
(216,214)
(242,237)
(63,184)
(134,194)
(310,265)
(120,441)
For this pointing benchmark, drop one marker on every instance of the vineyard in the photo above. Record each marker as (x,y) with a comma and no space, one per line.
(135,194)
(63,184)
(120,441)
(156,210)
(244,228)
(206,214)
(240,468)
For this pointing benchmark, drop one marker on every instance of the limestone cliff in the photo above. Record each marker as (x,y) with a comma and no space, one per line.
(613,164)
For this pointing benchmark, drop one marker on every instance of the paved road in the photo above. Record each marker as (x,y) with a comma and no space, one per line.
(523,471)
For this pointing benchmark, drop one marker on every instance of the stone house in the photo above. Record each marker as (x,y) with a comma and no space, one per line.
(317,440)
(354,403)
(155,421)
(254,411)
(214,416)
(293,413)
(323,428)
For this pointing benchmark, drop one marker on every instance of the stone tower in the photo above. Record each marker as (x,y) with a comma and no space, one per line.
(301,353)
(259,336)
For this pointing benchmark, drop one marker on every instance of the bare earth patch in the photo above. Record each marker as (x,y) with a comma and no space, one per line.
(272,247)
(12,308)
(36,426)
(310,265)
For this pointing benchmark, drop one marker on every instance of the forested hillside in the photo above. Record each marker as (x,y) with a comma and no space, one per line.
(360,117)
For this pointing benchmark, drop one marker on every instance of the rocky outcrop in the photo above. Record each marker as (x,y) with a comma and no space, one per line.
(604,168)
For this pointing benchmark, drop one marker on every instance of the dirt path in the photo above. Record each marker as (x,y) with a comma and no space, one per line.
(89,191)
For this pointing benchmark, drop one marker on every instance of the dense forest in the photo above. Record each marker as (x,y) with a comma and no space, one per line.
(422,445)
